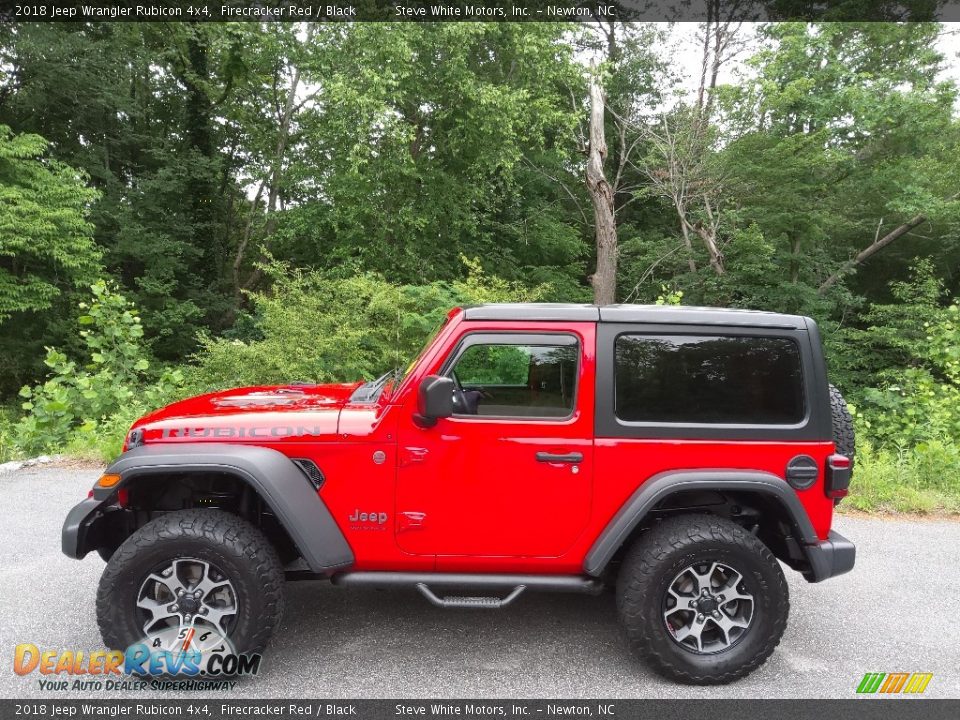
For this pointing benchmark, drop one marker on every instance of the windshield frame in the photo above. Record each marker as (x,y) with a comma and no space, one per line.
(385,385)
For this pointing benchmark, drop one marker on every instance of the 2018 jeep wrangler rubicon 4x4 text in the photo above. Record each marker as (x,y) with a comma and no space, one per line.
(674,453)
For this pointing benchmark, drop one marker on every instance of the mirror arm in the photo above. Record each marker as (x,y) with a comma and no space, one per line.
(424,421)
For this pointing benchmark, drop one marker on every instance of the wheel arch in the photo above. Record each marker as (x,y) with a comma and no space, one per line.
(270,475)
(771,493)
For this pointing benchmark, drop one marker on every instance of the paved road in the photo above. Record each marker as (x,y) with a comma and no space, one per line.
(899,610)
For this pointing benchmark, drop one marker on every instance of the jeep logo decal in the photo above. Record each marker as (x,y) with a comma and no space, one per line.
(377,518)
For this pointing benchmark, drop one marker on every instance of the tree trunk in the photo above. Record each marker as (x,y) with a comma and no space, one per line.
(794,258)
(604,280)
(201,184)
(691,262)
(713,252)
(874,247)
(273,184)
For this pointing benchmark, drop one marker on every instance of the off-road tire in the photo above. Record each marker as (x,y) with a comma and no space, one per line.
(843,434)
(237,547)
(652,563)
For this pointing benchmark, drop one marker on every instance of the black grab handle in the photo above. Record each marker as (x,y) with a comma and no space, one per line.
(573,457)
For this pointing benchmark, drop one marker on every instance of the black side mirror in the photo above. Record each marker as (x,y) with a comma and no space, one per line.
(434,400)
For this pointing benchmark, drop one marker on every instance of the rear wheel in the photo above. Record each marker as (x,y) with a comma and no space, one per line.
(201,576)
(703,601)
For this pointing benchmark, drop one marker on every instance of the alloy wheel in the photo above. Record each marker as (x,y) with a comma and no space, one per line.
(707,607)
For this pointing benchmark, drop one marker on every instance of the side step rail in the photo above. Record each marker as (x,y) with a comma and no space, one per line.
(480,583)
(489,603)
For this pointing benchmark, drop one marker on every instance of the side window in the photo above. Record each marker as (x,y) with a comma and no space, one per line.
(516,380)
(708,379)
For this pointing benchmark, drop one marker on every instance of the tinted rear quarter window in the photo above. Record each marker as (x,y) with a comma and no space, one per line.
(702,379)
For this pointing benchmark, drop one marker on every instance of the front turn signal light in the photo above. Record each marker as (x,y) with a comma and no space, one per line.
(108,481)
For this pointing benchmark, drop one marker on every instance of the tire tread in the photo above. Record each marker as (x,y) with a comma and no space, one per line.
(637,579)
(216,527)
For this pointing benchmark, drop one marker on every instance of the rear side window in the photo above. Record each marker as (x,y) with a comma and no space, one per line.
(708,379)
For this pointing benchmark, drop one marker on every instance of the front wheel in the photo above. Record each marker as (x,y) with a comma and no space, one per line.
(703,601)
(201,580)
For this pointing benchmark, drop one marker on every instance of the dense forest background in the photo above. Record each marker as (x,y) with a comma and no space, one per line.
(190,206)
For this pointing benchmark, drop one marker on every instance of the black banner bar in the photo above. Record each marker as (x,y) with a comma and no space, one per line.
(484,709)
(477,11)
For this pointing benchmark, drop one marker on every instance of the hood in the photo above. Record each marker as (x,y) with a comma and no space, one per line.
(253,414)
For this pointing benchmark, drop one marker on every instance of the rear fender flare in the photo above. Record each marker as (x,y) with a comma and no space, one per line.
(662,485)
(271,474)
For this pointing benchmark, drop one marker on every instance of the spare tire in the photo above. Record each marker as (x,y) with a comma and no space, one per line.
(843,435)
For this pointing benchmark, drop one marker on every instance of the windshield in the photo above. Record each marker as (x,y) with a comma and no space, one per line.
(371,391)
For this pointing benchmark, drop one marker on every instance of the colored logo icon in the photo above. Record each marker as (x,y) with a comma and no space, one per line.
(894,683)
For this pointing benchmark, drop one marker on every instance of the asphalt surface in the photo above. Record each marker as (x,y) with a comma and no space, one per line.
(899,610)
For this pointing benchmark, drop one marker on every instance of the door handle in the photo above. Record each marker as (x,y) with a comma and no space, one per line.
(573,457)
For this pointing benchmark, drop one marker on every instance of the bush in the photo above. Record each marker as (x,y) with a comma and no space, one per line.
(317,328)
(89,402)
(308,327)
(7,420)
(923,479)
(906,364)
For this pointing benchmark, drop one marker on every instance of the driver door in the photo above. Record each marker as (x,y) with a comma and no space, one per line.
(509,474)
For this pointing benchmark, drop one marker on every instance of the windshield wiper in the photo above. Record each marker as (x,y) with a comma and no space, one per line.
(370,391)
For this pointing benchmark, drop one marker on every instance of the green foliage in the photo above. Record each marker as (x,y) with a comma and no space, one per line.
(371,159)
(8,417)
(841,132)
(497,365)
(113,383)
(924,479)
(44,235)
(315,327)
(903,367)
(133,107)
(426,139)
(669,296)
(47,250)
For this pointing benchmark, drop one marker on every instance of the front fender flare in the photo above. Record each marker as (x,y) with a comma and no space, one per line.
(270,473)
(663,484)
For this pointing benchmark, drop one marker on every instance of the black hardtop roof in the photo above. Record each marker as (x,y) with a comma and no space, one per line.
(651,314)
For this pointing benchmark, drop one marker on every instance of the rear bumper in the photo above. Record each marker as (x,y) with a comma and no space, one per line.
(834,556)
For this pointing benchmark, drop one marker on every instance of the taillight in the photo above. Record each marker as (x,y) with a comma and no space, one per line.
(838,476)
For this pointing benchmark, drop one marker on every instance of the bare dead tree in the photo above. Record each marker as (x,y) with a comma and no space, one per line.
(678,169)
(677,165)
(721,41)
(604,279)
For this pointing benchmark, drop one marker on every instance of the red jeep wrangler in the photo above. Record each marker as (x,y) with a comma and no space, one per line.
(674,453)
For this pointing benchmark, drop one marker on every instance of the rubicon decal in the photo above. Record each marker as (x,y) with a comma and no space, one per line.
(256,432)
(894,683)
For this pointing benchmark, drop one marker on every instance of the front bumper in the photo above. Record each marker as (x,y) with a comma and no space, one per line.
(834,556)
